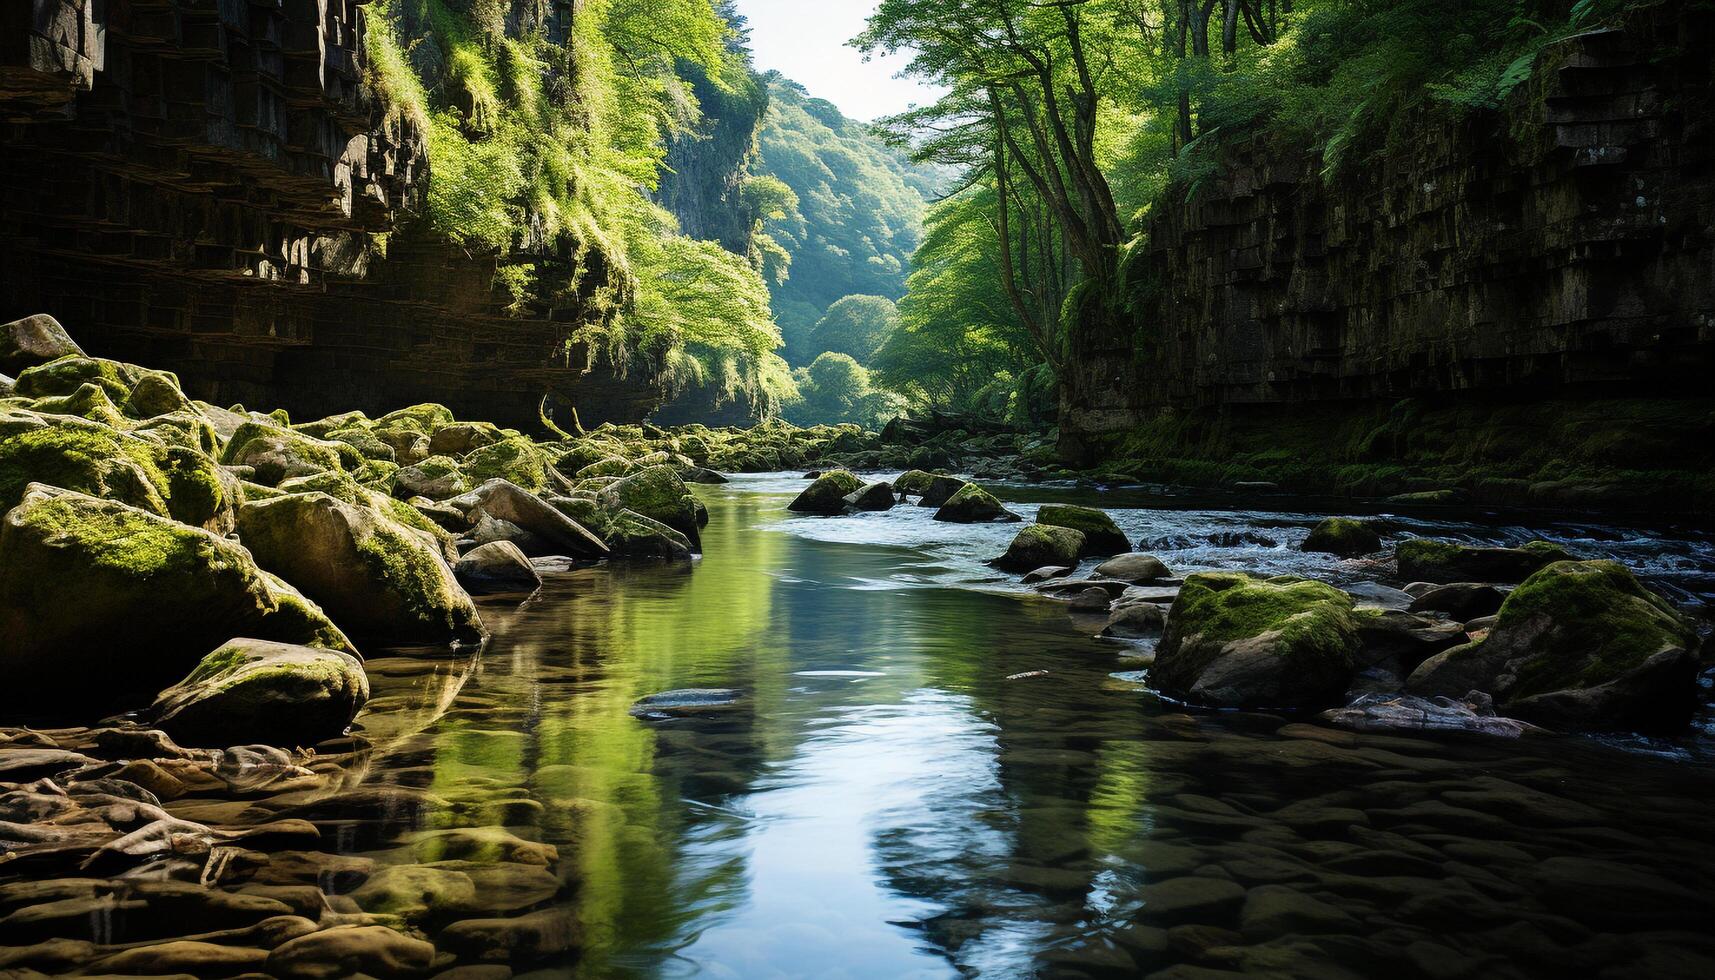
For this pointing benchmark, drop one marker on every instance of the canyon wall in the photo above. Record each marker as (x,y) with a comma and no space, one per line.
(1563,246)
(209,186)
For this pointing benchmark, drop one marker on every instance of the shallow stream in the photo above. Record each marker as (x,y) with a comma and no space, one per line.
(885,802)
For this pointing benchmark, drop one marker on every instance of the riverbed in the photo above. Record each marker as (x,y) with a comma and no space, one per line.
(934,771)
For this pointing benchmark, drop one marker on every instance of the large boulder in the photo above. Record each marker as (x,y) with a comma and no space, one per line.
(436,478)
(276,453)
(1037,545)
(1426,560)
(514,459)
(98,598)
(498,566)
(659,494)
(940,489)
(259,691)
(914,483)
(632,535)
(1135,567)
(33,340)
(973,505)
(1101,535)
(375,577)
(871,496)
(1344,537)
(1233,640)
(1579,645)
(509,502)
(65,375)
(826,494)
(459,438)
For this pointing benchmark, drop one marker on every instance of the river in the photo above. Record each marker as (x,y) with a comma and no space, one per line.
(886,802)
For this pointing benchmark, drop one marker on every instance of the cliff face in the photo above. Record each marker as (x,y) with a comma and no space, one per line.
(703,181)
(204,186)
(1564,245)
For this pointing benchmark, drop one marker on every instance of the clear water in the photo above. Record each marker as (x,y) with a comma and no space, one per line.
(886,803)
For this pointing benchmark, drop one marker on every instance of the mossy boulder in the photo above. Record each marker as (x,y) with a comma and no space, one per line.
(606,466)
(277,453)
(1038,545)
(1342,536)
(826,494)
(973,505)
(156,393)
(458,438)
(1233,640)
(659,494)
(98,597)
(1135,567)
(913,483)
(187,428)
(409,446)
(871,496)
(633,535)
(377,578)
(437,478)
(67,374)
(89,401)
(1580,645)
(515,460)
(1427,560)
(259,691)
(325,427)
(367,443)
(34,340)
(424,418)
(940,490)
(1101,535)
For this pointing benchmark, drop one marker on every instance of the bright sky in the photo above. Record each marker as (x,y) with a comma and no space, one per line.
(805,40)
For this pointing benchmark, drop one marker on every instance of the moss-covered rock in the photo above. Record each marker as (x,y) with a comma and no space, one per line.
(1039,545)
(1236,641)
(424,418)
(515,460)
(826,494)
(659,494)
(872,497)
(156,393)
(606,466)
(503,501)
(458,438)
(1101,535)
(34,340)
(77,454)
(324,428)
(1578,645)
(366,442)
(973,505)
(259,691)
(496,567)
(89,401)
(97,597)
(67,374)
(632,535)
(437,478)
(1343,536)
(187,428)
(409,446)
(940,490)
(913,483)
(377,578)
(1426,560)
(277,453)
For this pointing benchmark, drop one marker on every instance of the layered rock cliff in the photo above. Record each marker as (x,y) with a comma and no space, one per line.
(1563,247)
(212,187)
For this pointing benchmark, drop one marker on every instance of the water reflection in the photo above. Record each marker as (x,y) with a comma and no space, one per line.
(886,803)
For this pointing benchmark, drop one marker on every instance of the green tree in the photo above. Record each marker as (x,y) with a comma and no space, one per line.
(836,388)
(854,325)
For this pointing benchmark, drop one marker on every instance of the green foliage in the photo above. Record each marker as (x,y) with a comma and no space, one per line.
(836,388)
(854,214)
(855,325)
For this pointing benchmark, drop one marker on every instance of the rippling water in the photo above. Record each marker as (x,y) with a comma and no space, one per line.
(886,803)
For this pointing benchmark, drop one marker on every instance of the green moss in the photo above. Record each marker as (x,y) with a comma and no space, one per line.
(365,442)
(129,540)
(607,466)
(913,482)
(1342,536)
(195,493)
(86,457)
(1427,551)
(516,459)
(1313,619)
(408,570)
(1604,623)
(324,428)
(1102,535)
(89,401)
(67,374)
(425,418)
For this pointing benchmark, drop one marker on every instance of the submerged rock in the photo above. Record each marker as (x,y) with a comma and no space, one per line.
(1236,641)
(1425,560)
(1474,715)
(826,494)
(347,950)
(1101,535)
(1037,545)
(97,597)
(1045,573)
(261,691)
(498,566)
(1579,645)
(375,577)
(1343,536)
(973,505)
(687,701)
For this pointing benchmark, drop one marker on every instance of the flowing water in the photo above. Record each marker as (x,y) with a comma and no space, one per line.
(886,802)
